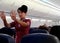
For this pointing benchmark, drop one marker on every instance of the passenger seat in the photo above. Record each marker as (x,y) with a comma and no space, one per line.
(39,38)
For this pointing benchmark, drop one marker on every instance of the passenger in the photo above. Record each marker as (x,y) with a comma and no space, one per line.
(55,30)
(8,31)
(44,27)
(21,25)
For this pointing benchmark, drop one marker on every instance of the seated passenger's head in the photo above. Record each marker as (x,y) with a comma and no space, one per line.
(55,30)
(43,27)
(8,31)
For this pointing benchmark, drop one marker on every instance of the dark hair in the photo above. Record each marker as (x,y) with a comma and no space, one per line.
(55,30)
(23,8)
(8,31)
(43,28)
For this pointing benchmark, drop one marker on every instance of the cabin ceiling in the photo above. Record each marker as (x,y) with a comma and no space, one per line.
(55,3)
(52,14)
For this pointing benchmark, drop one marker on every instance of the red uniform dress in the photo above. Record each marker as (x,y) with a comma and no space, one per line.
(20,30)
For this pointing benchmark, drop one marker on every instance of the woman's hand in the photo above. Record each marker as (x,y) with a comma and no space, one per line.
(2,15)
(13,15)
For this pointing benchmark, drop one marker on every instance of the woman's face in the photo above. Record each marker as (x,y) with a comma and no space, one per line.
(21,14)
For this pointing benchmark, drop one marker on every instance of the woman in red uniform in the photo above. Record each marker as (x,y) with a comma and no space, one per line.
(21,25)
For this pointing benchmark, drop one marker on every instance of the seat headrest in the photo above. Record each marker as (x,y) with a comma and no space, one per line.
(38,31)
(39,38)
(6,39)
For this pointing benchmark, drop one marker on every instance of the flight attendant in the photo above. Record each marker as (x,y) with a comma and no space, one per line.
(21,25)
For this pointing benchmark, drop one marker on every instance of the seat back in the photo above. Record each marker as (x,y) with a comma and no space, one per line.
(55,30)
(38,31)
(39,38)
(6,39)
